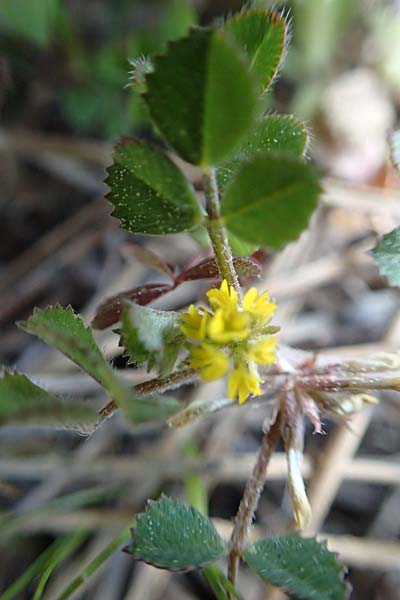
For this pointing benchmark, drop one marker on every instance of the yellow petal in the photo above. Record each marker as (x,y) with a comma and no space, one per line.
(211,361)
(242,382)
(259,305)
(228,326)
(249,298)
(194,323)
(225,298)
(263,350)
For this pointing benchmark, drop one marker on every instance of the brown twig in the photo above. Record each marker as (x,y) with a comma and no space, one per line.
(251,496)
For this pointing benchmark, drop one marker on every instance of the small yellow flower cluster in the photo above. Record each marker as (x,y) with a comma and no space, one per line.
(231,333)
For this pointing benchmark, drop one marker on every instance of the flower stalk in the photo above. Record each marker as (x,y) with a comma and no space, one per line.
(159,385)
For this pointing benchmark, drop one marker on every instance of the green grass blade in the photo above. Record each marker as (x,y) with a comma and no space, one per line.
(32,571)
(95,564)
(65,548)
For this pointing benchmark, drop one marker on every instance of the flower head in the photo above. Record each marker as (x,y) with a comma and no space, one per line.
(231,334)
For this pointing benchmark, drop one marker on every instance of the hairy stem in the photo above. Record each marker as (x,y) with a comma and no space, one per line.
(148,388)
(251,496)
(217,232)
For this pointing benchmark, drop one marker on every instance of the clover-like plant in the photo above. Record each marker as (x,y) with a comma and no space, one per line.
(255,190)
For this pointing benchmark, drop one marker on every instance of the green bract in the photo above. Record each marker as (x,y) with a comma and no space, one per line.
(149,193)
(151,336)
(201,96)
(262,35)
(171,535)
(302,566)
(270,201)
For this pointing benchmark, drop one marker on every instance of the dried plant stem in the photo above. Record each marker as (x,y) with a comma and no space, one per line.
(153,386)
(251,496)
(217,232)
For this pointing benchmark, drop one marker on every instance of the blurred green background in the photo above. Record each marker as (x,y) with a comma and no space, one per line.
(65,64)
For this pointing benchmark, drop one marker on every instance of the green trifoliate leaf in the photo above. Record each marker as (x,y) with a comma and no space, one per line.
(274,133)
(149,193)
(270,201)
(63,329)
(66,331)
(151,336)
(201,96)
(171,535)
(387,255)
(395,148)
(23,402)
(262,34)
(302,566)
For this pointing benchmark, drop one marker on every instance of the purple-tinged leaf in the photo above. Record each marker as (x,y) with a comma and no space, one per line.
(208,269)
(109,312)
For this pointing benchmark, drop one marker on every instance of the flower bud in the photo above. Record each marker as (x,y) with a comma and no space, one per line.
(293,435)
(301,505)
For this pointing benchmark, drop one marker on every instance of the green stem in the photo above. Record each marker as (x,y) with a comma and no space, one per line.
(195,487)
(217,232)
(197,496)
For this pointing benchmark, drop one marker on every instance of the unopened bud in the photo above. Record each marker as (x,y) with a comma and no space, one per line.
(301,505)
(293,436)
